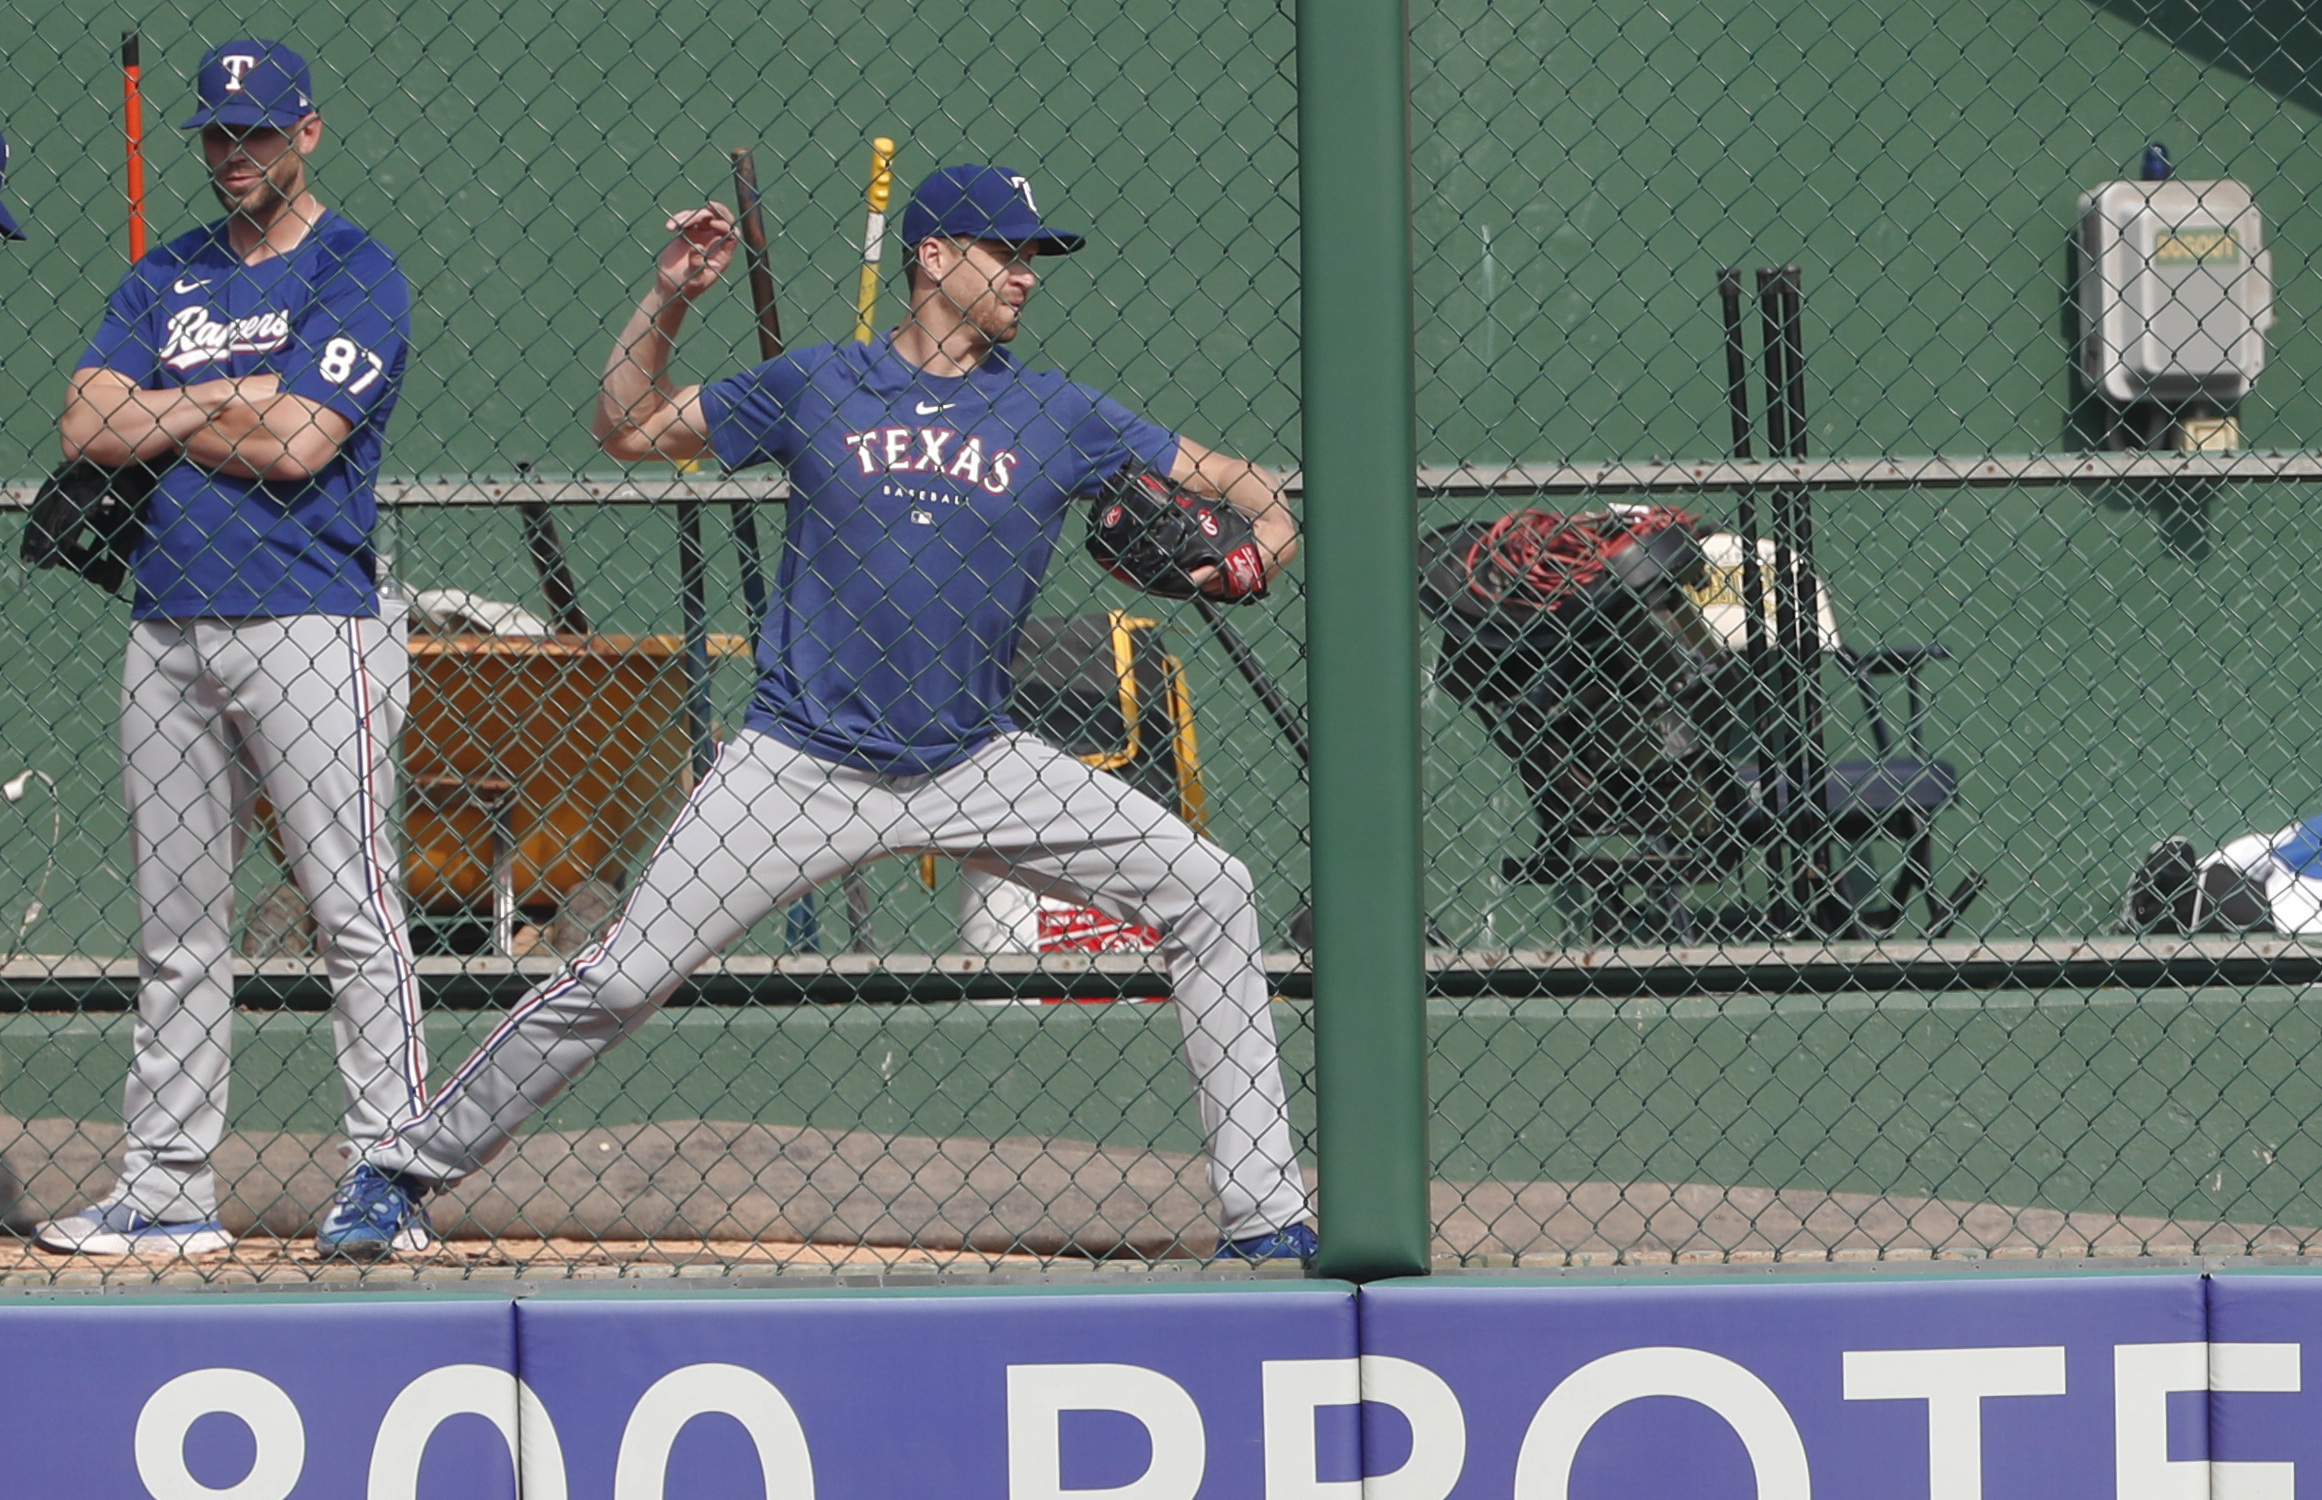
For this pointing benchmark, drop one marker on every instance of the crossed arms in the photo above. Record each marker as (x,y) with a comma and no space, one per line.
(246,428)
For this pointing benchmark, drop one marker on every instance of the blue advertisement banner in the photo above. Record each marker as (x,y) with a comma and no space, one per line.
(229,1398)
(2154,1386)
(1895,1388)
(1196,1394)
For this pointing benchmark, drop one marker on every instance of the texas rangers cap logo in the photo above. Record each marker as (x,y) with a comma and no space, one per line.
(252,83)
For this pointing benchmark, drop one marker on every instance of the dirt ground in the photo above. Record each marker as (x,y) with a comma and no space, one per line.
(728,1201)
(1632,1224)
(262,1258)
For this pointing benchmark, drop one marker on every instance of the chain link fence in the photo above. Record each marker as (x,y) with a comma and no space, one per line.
(1859,530)
(2027,602)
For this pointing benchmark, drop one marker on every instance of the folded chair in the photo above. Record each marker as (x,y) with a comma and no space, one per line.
(1607,654)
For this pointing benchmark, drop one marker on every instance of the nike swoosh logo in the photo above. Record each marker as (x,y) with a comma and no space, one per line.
(930,408)
(181,286)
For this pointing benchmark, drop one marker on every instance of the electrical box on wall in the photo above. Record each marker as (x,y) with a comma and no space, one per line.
(2176,295)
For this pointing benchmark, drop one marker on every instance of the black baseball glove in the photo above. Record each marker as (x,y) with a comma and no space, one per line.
(89,518)
(1153,533)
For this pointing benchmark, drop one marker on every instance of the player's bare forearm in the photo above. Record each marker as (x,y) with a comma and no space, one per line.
(1250,488)
(109,420)
(269,436)
(638,414)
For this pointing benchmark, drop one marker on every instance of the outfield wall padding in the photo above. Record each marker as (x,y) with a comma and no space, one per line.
(2129,1385)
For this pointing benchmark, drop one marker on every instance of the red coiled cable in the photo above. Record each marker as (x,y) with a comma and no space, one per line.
(1534,559)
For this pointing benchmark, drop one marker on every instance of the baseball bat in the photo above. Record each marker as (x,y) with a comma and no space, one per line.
(1753,579)
(557,584)
(1246,662)
(1813,753)
(753,228)
(693,598)
(882,192)
(133,126)
(1737,398)
(1783,753)
(1293,730)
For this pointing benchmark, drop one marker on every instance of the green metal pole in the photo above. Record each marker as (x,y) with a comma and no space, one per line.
(1362,623)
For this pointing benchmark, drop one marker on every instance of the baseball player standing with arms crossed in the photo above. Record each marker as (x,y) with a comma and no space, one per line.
(930,476)
(259,357)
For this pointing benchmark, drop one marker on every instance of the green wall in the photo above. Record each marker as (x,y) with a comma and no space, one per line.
(1585,171)
(2127,665)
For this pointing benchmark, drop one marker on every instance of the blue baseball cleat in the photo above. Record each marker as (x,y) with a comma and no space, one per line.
(375,1214)
(1294,1243)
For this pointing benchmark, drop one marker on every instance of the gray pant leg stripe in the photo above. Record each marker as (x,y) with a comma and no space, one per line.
(374,876)
(558,988)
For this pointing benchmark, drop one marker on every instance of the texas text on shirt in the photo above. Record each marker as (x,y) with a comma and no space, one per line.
(923,513)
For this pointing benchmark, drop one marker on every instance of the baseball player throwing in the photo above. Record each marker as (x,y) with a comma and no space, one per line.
(930,476)
(259,357)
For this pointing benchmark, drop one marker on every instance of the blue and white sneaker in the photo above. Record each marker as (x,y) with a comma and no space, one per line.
(114,1228)
(375,1214)
(1294,1243)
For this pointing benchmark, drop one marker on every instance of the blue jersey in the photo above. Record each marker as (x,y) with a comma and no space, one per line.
(923,512)
(333,320)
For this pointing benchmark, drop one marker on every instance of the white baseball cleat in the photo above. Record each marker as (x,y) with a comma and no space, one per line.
(118,1229)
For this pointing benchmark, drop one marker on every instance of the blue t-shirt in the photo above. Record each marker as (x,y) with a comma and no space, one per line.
(333,320)
(923,512)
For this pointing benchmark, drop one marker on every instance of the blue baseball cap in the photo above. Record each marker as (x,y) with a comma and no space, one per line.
(8,229)
(981,203)
(251,83)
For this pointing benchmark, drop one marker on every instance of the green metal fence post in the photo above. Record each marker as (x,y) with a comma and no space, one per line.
(1363,635)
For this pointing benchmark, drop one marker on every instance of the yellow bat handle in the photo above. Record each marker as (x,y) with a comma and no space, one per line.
(874,236)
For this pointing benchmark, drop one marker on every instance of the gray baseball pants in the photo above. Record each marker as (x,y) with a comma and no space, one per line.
(769,823)
(306,709)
